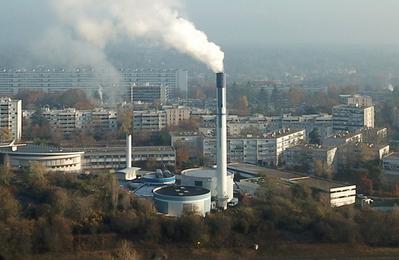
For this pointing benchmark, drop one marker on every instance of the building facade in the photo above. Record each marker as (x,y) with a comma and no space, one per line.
(352,117)
(88,79)
(266,149)
(11,117)
(149,120)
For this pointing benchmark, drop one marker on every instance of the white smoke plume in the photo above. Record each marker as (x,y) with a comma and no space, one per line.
(99,22)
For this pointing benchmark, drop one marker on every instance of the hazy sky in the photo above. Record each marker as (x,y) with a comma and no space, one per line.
(247,22)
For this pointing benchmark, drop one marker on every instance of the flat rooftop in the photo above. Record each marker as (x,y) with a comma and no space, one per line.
(181,191)
(36,149)
(201,172)
(286,177)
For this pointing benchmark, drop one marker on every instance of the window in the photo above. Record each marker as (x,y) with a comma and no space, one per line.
(198,183)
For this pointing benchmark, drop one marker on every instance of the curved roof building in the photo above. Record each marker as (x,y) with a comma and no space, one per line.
(178,200)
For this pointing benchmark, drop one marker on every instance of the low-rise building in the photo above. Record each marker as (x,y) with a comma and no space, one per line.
(176,115)
(332,193)
(54,159)
(115,157)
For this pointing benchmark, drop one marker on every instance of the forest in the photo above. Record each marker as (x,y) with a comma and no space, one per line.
(43,215)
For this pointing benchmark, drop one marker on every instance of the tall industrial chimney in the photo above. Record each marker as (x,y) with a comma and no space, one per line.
(129,151)
(221,140)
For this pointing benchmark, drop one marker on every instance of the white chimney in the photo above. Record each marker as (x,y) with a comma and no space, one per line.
(221,141)
(129,151)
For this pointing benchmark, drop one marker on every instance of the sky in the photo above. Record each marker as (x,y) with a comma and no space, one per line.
(290,22)
(248,22)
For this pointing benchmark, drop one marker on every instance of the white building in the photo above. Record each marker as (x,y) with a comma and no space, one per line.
(52,158)
(115,157)
(306,156)
(352,117)
(71,119)
(57,80)
(206,178)
(11,117)
(149,120)
(176,114)
(266,149)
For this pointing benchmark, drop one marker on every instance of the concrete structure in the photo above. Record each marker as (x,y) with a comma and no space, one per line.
(390,164)
(207,178)
(332,193)
(176,114)
(57,80)
(314,159)
(52,158)
(374,135)
(266,149)
(159,177)
(343,138)
(221,141)
(352,117)
(149,120)
(115,157)
(11,117)
(364,101)
(70,119)
(178,200)
(149,94)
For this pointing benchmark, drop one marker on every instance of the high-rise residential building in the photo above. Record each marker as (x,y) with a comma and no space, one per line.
(11,117)
(149,94)
(352,117)
(57,80)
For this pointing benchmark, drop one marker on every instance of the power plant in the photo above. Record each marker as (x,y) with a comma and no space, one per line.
(200,184)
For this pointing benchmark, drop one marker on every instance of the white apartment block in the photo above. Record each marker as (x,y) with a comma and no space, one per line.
(266,149)
(71,119)
(149,120)
(176,115)
(236,125)
(57,80)
(305,156)
(11,117)
(352,117)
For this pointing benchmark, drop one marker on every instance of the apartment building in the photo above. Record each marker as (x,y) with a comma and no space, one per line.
(352,117)
(149,120)
(11,117)
(265,149)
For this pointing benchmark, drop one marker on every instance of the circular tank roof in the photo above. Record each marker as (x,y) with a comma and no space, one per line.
(181,191)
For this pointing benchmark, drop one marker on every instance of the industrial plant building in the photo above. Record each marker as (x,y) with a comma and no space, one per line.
(11,118)
(207,178)
(179,200)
